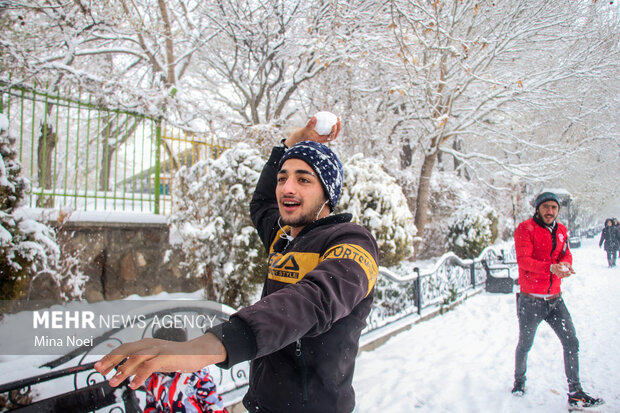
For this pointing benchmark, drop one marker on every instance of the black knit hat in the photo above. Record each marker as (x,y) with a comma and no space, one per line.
(324,162)
(544,197)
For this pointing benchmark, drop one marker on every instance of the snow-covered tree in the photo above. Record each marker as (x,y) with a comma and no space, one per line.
(211,224)
(129,54)
(472,229)
(362,87)
(27,247)
(493,86)
(454,207)
(261,56)
(126,54)
(471,66)
(377,202)
(492,90)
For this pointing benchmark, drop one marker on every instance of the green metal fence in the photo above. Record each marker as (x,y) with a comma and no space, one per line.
(83,156)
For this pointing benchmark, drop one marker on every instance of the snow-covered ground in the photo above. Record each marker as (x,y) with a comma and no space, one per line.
(462,362)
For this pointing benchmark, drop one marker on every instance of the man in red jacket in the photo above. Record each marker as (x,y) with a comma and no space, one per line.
(544,259)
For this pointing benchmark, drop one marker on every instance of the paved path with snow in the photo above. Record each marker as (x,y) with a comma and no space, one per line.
(463,361)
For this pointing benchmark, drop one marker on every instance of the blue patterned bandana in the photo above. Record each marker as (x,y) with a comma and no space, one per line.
(324,162)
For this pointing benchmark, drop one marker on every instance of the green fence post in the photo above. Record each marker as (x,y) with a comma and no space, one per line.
(125,140)
(21,127)
(106,162)
(77,147)
(117,129)
(42,164)
(98,132)
(87,154)
(32,144)
(57,129)
(157,164)
(142,165)
(65,183)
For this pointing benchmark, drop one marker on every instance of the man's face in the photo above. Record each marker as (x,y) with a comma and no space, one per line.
(548,211)
(299,194)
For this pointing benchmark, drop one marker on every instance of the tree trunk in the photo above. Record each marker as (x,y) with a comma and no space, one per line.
(106,164)
(424,192)
(118,135)
(457,145)
(209,286)
(47,143)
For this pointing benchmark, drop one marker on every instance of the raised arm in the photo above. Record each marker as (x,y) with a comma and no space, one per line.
(264,206)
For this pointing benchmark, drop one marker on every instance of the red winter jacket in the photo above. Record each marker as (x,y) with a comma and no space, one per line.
(536,252)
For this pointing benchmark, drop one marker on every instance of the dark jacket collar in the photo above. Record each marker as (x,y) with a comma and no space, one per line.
(540,222)
(328,220)
(283,243)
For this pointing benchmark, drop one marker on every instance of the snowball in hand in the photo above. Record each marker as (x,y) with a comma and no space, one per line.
(324,122)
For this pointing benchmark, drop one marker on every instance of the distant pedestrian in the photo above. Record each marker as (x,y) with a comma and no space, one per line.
(544,259)
(617,225)
(611,237)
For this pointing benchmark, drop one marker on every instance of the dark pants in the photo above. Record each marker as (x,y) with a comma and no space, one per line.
(611,258)
(531,312)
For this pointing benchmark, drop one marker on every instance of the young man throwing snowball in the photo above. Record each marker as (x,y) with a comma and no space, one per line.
(302,336)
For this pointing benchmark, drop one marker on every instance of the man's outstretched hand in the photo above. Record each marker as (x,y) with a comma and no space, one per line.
(307,133)
(562,269)
(143,358)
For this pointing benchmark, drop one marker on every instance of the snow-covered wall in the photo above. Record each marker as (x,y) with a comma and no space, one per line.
(120,259)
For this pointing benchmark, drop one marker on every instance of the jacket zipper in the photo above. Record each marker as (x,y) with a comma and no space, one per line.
(304,371)
(553,245)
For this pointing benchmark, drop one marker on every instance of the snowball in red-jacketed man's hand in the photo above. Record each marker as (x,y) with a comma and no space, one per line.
(324,122)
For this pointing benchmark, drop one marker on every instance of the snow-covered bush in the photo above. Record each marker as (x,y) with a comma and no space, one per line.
(450,196)
(211,224)
(27,247)
(263,136)
(378,203)
(472,229)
